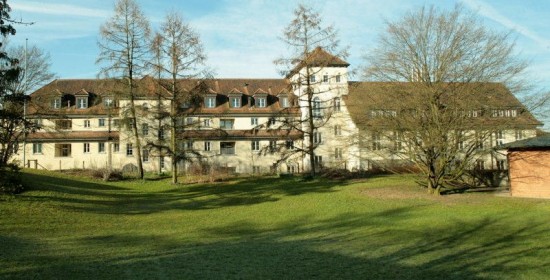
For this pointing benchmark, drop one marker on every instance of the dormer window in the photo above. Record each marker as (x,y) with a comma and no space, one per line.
(108,102)
(261,102)
(210,101)
(56,104)
(235,102)
(82,103)
(284,102)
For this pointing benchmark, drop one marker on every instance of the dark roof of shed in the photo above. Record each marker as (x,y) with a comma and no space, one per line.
(531,143)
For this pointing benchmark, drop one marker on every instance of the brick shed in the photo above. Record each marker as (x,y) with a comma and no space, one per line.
(529,167)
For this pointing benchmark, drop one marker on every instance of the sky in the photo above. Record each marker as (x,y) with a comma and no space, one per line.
(242,37)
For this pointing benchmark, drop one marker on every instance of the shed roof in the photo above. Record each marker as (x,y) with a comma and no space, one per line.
(540,142)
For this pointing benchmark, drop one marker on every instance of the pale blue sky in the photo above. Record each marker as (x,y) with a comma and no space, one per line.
(241,36)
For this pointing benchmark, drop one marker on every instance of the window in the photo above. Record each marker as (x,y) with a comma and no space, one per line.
(338,153)
(227,148)
(316,107)
(290,168)
(161,133)
(271,121)
(116,147)
(376,145)
(101,122)
(261,102)
(129,149)
(189,145)
(37,148)
(101,147)
(312,79)
(145,107)
(63,124)
(325,78)
(290,144)
(480,164)
(56,104)
(210,101)
(317,138)
(162,162)
(38,123)
(82,103)
(519,134)
(207,146)
(337,130)
(62,150)
(108,102)
(499,138)
(145,155)
(338,78)
(235,102)
(254,121)
(86,147)
(206,123)
(501,164)
(508,113)
(398,141)
(189,121)
(255,145)
(272,146)
(87,123)
(284,102)
(226,124)
(144,129)
(318,161)
(116,123)
(337,106)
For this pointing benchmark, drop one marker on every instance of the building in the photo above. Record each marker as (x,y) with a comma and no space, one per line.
(239,124)
(529,171)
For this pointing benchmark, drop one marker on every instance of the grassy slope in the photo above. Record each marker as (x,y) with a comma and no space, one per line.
(268,228)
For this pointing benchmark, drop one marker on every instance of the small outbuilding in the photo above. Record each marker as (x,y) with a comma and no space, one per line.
(529,167)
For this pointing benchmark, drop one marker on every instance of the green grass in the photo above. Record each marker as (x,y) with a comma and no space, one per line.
(268,228)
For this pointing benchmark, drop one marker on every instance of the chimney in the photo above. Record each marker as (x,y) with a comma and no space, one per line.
(245,88)
(216,86)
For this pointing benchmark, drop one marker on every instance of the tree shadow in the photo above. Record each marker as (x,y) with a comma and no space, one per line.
(110,199)
(305,249)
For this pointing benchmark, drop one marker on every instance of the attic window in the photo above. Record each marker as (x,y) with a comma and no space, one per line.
(82,102)
(284,102)
(56,104)
(235,102)
(108,102)
(260,102)
(504,113)
(210,102)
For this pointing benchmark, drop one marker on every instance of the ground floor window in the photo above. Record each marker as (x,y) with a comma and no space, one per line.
(86,147)
(37,148)
(207,146)
(116,147)
(161,162)
(129,149)
(145,155)
(338,153)
(256,169)
(62,150)
(101,147)
(318,160)
(501,164)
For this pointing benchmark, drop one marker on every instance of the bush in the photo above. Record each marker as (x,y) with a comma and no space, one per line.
(10,179)
(107,175)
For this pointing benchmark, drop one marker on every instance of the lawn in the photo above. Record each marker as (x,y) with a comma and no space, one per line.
(383,227)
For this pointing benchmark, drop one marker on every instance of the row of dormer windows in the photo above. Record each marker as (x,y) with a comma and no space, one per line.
(79,102)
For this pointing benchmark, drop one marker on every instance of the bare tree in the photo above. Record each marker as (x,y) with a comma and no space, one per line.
(450,63)
(313,46)
(35,71)
(179,58)
(124,46)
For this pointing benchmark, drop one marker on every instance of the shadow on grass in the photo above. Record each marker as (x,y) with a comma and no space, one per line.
(327,249)
(105,198)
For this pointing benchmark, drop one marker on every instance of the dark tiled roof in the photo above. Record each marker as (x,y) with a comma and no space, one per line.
(540,142)
(73,136)
(364,97)
(319,58)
